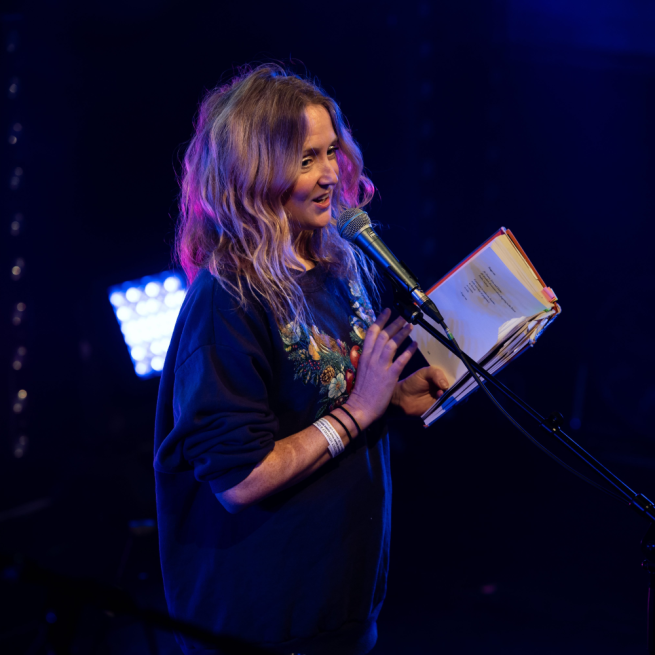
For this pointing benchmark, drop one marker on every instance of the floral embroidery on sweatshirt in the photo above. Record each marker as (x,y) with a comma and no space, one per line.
(325,361)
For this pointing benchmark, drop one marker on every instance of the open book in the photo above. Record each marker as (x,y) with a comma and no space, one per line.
(496,305)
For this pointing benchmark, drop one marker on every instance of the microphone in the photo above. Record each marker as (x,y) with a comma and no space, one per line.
(354,225)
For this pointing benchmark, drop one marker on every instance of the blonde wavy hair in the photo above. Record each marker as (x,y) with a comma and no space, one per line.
(238,169)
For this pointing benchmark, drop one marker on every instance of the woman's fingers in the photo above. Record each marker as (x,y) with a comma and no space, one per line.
(402,334)
(383,317)
(397,367)
(391,337)
(381,343)
(378,373)
(395,326)
(374,331)
(439,377)
(389,351)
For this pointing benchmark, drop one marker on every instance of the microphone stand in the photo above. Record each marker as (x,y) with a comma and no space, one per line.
(553,425)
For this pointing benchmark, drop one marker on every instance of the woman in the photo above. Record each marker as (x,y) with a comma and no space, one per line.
(268,532)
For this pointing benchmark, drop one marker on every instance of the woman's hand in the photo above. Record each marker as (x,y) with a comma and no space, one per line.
(417,393)
(377,372)
(297,456)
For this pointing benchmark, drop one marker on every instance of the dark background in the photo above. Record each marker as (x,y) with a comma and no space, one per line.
(533,114)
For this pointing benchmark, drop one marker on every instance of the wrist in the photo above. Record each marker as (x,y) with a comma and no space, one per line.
(353,413)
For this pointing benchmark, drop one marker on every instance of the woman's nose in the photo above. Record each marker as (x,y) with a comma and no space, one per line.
(329,174)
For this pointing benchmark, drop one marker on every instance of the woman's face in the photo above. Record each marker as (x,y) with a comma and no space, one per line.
(310,198)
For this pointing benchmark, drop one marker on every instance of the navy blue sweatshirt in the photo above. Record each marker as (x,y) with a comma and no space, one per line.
(304,570)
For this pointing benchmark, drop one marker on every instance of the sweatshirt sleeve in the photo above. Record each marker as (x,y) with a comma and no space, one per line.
(223,424)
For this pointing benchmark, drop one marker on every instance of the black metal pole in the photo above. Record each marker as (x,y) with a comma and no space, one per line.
(651,608)
(639,503)
(648,549)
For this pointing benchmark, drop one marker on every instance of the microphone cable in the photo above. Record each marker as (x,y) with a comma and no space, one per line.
(351,223)
(518,426)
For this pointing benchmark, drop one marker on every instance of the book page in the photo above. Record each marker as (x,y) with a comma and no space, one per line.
(523,339)
(504,247)
(483,303)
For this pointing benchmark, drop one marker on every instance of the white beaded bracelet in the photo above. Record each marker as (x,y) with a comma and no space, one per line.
(335,445)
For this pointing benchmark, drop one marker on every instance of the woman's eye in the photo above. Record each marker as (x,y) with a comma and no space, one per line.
(306,163)
(332,150)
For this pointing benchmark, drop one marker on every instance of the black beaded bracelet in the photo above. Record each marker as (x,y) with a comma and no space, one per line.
(352,418)
(342,424)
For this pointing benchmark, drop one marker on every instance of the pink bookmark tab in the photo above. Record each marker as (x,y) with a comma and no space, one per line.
(550,294)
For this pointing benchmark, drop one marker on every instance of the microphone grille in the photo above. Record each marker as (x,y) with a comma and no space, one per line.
(352,222)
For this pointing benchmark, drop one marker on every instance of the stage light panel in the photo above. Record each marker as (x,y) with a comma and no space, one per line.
(146,311)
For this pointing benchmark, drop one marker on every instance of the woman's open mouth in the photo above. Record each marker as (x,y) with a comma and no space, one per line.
(323,201)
